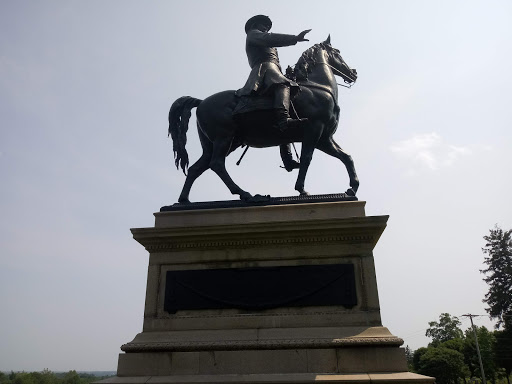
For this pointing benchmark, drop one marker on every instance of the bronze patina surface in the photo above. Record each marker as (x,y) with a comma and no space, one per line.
(228,120)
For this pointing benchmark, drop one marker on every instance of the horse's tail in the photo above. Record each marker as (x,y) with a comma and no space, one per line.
(179,116)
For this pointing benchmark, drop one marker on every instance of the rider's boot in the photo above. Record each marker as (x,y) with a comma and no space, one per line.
(286,155)
(282,106)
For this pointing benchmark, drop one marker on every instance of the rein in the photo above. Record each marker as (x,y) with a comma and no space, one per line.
(310,84)
(339,73)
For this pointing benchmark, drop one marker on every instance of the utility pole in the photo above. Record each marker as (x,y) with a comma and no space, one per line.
(477,347)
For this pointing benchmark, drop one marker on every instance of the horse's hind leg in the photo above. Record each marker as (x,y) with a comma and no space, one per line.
(221,148)
(197,168)
(332,148)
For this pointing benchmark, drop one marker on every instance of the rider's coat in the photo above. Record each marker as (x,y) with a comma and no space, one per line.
(264,61)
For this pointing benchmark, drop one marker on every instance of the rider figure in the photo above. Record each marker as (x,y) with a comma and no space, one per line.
(266,75)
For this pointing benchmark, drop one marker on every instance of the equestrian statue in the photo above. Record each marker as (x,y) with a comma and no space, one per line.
(271,109)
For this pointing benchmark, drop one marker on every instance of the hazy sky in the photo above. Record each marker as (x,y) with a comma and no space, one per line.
(85,89)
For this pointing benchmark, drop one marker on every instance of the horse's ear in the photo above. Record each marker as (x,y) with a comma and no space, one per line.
(328,40)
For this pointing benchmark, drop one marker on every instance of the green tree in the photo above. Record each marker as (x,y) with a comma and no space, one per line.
(503,351)
(455,344)
(23,378)
(458,345)
(71,378)
(3,378)
(87,378)
(486,342)
(45,377)
(416,357)
(446,365)
(446,329)
(498,275)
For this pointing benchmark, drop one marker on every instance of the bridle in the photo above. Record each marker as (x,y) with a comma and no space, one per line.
(323,87)
(346,79)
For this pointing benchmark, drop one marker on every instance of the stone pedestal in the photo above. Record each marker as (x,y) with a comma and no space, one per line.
(293,298)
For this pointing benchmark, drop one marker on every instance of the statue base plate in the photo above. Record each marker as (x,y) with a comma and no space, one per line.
(301,199)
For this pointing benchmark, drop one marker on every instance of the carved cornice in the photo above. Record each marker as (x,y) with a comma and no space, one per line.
(167,244)
(354,227)
(189,346)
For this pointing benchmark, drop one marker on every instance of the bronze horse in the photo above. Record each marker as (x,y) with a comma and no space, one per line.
(220,133)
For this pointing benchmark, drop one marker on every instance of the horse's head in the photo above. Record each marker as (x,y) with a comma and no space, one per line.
(337,63)
(323,53)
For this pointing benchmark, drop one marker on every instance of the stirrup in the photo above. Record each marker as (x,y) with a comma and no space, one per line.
(283,124)
(291,165)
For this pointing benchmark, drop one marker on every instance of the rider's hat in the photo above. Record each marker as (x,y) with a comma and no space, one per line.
(258,19)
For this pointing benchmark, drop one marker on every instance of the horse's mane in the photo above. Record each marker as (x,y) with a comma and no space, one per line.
(305,64)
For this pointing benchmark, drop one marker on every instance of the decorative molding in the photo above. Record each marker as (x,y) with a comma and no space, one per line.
(234,345)
(342,312)
(164,244)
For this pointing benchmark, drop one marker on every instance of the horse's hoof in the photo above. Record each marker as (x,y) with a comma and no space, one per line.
(350,192)
(304,193)
(245,196)
(259,199)
(183,201)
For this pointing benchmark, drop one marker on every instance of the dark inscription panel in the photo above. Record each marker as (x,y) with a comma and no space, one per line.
(261,288)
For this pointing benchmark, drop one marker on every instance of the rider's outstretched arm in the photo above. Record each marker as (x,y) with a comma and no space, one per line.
(266,39)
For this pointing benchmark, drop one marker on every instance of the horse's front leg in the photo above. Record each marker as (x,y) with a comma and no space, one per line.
(311,135)
(332,148)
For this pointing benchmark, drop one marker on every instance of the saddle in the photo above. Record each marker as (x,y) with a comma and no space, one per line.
(257,102)
(246,104)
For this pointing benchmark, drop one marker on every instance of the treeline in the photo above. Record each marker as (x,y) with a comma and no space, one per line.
(452,357)
(48,377)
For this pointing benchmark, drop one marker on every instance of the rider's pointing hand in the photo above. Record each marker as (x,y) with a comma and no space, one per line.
(300,36)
